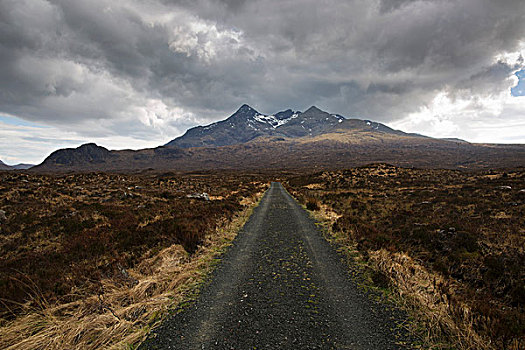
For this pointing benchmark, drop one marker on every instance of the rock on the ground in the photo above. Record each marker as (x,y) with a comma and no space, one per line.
(203,196)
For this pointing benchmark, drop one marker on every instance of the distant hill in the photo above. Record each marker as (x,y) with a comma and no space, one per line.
(313,139)
(20,166)
(87,154)
(454,139)
(4,166)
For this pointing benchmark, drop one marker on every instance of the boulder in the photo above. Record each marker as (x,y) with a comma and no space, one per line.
(203,196)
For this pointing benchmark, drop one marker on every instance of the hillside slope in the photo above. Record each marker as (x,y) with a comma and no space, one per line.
(4,166)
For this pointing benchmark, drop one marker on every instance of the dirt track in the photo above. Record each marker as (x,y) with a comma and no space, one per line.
(281,286)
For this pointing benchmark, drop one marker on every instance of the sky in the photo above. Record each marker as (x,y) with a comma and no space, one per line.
(138,73)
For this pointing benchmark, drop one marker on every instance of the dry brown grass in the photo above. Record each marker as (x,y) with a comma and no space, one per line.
(449,243)
(429,293)
(63,234)
(425,294)
(123,313)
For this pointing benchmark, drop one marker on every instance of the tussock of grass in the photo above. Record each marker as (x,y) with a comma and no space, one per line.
(312,203)
(123,313)
(430,294)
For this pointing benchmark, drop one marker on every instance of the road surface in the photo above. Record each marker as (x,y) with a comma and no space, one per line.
(281,286)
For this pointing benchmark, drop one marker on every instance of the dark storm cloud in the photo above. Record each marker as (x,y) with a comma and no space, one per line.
(157,67)
(391,5)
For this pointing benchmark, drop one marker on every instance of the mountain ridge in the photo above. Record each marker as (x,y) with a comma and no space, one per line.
(288,139)
(247,124)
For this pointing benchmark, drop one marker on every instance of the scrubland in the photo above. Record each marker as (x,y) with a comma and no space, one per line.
(91,261)
(94,260)
(450,243)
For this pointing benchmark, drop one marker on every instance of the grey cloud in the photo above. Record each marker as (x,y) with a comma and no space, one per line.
(392,5)
(488,80)
(115,66)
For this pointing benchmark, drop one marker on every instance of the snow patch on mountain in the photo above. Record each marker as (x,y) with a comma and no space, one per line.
(273,121)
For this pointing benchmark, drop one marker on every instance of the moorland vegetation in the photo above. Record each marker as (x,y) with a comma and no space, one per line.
(93,260)
(450,242)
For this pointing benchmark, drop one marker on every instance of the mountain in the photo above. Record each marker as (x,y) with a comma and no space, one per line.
(247,124)
(88,153)
(244,125)
(312,139)
(20,166)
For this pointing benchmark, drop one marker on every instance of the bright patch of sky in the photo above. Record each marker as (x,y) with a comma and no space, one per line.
(18,121)
(25,142)
(519,89)
(501,119)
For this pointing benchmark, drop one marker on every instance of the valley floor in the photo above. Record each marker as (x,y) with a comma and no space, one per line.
(97,260)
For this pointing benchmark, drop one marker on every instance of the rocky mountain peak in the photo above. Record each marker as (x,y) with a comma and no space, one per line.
(247,124)
(284,114)
(245,110)
(314,109)
(90,147)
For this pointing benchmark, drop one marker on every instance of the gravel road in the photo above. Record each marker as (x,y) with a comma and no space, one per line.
(281,286)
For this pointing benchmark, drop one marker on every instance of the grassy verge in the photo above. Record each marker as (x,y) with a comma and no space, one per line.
(387,277)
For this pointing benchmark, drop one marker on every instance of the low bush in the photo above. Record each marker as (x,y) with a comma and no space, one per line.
(312,203)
